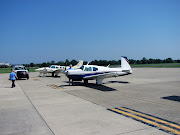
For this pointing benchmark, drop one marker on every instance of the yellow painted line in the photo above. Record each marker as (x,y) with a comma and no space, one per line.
(148,121)
(152,118)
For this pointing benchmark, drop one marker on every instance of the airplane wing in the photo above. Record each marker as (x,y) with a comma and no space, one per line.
(52,70)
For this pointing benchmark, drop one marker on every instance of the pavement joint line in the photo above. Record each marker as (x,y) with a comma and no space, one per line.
(36,109)
(131,114)
(135,131)
(140,100)
(147,83)
(152,102)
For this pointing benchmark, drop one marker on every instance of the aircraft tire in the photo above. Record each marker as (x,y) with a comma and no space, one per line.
(85,82)
(52,74)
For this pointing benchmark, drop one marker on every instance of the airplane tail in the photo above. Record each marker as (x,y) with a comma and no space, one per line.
(125,66)
(78,65)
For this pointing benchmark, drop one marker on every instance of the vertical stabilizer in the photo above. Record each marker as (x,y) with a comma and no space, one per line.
(79,64)
(125,66)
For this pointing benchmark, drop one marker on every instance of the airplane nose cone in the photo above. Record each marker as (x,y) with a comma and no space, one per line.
(37,70)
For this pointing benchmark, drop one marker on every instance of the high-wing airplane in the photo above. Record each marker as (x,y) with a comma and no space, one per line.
(98,73)
(56,69)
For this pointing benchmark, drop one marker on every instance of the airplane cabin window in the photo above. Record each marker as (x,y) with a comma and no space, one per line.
(95,69)
(52,66)
(88,69)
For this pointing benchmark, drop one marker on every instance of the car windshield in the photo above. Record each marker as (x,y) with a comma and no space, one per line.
(19,68)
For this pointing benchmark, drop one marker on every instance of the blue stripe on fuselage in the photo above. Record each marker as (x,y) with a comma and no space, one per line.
(80,77)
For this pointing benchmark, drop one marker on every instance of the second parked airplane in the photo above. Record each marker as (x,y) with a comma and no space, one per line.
(56,69)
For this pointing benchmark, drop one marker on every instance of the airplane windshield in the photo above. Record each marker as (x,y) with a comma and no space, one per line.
(82,67)
(52,66)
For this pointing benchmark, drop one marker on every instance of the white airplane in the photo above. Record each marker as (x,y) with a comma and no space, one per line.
(98,73)
(56,69)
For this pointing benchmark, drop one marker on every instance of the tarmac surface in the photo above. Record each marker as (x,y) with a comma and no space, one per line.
(144,103)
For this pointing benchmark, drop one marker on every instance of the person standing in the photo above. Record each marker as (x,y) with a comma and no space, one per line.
(70,67)
(13,77)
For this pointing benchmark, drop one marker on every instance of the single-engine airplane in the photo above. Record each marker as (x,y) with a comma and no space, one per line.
(56,69)
(98,73)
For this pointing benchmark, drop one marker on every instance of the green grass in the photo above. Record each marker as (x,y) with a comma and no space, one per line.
(157,65)
(161,65)
(8,70)
(166,65)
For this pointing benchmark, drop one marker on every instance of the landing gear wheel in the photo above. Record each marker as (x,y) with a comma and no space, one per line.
(86,82)
(52,74)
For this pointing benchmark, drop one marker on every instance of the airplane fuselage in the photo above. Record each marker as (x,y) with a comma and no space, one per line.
(91,72)
(98,73)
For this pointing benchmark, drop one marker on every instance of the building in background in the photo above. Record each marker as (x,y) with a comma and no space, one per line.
(4,64)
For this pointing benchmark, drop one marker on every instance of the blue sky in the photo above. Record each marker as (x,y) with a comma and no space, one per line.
(45,30)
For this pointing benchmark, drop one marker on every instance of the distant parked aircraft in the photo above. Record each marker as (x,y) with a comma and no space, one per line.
(98,73)
(56,69)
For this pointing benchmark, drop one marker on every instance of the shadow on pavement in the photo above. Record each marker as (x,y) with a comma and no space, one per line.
(117,82)
(174,98)
(91,85)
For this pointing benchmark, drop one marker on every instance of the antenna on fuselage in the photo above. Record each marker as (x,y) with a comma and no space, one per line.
(108,65)
(88,63)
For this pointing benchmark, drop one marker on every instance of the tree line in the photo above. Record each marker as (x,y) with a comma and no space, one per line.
(104,62)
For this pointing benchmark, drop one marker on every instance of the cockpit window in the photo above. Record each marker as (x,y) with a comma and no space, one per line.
(88,69)
(52,66)
(82,67)
(95,69)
